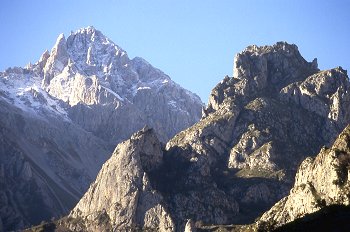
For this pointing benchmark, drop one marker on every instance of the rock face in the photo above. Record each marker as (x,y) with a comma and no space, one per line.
(122,197)
(62,117)
(321,181)
(242,156)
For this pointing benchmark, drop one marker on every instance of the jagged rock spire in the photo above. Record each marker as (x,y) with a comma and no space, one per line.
(57,61)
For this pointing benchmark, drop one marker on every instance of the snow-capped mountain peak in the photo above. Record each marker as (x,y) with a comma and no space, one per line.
(69,109)
(88,68)
(88,55)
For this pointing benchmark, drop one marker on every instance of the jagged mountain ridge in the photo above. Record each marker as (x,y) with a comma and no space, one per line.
(90,73)
(241,157)
(62,117)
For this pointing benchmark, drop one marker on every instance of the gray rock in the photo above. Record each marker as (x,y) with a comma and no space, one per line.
(122,193)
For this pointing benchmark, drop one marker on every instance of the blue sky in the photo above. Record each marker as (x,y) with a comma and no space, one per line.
(194,42)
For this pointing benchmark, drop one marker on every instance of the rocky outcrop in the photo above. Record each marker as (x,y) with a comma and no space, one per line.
(261,71)
(320,182)
(122,197)
(324,93)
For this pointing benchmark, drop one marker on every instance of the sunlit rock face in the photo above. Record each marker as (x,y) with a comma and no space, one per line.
(122,197)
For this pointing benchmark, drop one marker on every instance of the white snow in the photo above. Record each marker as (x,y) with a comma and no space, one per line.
(113,93)
(144,87)
(172,103)
(24,92)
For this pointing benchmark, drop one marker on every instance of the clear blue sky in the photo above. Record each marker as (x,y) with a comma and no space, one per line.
(193,41)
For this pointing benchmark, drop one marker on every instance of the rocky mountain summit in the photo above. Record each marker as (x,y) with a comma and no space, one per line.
(258,126)
(62,117)
(320,182)
(239,159)
(92,81)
